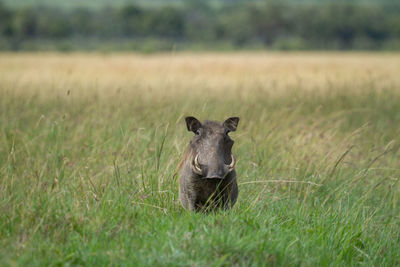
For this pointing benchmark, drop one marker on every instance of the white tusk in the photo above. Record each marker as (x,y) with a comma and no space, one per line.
(196,164)
(232,165)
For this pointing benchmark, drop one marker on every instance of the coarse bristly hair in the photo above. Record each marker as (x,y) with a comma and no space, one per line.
(207,179)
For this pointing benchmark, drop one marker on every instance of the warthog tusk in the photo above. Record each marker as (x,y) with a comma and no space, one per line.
(197,165)
(232,165)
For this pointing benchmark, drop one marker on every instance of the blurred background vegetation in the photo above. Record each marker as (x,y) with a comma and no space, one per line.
(149,26)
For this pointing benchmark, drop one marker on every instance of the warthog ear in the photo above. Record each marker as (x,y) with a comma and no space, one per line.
(192,124)
(231,124)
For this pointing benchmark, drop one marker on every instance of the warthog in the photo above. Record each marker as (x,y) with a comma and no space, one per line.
(207,176)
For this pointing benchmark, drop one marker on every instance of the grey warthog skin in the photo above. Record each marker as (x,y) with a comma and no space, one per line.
(207,176)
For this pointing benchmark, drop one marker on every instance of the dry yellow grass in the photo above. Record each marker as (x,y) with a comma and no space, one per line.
(243,74)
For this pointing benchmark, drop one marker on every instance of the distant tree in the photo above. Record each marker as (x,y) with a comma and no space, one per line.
(283,25)
(5,20)
(269,21)
(131,20)
(200,21)
(24,23)
(394,26)
(380,29)
(52,23)
(235,24)
(81,22)
(106,23)
(167,22)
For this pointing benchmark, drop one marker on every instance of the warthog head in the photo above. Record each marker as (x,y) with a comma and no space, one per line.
(211,147)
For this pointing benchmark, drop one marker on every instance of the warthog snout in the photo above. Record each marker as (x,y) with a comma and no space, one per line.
(208,169)
(213,170)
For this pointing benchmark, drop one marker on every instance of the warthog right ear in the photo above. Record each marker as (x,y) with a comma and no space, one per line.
(231,124)
(192,124)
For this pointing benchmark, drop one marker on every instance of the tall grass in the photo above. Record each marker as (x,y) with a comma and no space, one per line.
(89,145)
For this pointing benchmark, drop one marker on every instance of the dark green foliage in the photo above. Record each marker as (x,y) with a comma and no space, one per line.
(272,24)
(240,25)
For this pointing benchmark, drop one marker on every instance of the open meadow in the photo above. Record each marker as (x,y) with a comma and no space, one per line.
(90,143)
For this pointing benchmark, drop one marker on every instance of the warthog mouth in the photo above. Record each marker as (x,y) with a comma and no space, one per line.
(196,167)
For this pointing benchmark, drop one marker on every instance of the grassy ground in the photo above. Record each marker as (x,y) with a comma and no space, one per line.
(89,145)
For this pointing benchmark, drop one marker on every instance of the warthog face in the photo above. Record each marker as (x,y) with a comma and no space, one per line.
(212,147)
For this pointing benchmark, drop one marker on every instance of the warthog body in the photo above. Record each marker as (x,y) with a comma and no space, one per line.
(207,177)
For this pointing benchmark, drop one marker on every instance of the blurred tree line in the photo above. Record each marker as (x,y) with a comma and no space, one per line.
(197,24)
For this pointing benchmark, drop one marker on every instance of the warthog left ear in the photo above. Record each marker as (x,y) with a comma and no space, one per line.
(231,124)
(192,124)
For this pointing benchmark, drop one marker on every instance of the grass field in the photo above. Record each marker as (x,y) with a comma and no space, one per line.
(89,145)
